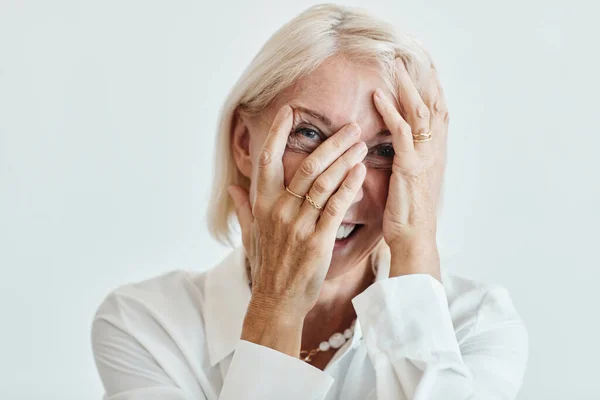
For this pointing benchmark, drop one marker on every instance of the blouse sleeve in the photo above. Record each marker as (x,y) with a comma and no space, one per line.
(410,339)
(130,372)
(261,373)
(127,370)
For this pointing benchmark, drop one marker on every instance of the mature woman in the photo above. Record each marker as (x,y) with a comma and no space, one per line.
(331,152)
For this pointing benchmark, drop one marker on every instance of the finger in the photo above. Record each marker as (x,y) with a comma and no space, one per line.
(417,112)
(329,181)
(402,138)
(435,100)
(439,107)
(431,93)
(270,167)
(430,99)
(333,214)
(243,210)
(323,157)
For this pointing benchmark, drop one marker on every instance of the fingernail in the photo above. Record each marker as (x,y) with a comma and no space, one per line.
(378,93)
(361,147)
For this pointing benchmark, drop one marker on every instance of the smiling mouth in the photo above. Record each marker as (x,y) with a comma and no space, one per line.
(346,231)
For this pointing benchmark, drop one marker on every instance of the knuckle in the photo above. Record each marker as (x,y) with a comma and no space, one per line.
(279,214)
(334,206)
(282,218)
(336,143)
(345,160)
(347,188)
(310,167)
(321,186)
(264,158)
(440,107)
(422,112)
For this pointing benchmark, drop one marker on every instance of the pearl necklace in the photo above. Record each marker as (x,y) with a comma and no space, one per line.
(335,341)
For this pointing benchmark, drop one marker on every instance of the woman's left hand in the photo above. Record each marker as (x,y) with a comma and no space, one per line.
(410,217)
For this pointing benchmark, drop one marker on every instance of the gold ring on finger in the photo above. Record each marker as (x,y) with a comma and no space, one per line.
(422,137)
(312,203)
(294,193)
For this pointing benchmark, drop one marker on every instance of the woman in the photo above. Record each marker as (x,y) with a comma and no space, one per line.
(331,152)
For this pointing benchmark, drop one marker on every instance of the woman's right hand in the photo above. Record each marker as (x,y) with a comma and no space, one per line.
(288,241)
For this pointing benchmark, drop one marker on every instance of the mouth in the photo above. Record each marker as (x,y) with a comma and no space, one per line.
(346,232)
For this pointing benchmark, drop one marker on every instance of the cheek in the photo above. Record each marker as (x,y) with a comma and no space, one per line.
(376,185)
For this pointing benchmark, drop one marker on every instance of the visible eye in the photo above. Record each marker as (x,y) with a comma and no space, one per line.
(305,139)
(386,151)
(308,133)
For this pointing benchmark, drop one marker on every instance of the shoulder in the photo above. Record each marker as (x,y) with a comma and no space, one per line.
(156,332)
(166,315)
(152,322)
(142,331)
(178,295)
(158,296)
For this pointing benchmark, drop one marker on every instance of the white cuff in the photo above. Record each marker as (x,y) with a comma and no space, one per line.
(406,317)
(259,372)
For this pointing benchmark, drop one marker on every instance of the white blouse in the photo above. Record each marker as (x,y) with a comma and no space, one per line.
(177,337)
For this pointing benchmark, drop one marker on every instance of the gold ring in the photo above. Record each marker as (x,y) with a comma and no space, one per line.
(312,203)
(422,137)
(294,194)
(428,138)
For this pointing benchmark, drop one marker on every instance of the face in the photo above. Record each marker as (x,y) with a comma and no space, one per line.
(334,95)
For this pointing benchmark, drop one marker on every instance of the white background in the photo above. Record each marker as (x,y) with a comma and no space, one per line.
(107,121)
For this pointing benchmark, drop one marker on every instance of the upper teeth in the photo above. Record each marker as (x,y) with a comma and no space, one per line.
(344,231)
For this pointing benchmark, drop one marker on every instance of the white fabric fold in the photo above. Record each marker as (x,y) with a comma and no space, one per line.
(177,337)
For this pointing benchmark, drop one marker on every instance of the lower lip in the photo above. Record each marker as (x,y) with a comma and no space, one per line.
(341,243)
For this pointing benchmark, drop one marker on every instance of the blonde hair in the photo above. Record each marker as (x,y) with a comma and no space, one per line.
(294,51)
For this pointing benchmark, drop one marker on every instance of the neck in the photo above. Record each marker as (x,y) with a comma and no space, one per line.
(333,311)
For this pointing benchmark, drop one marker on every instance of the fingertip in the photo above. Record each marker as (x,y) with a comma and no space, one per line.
(400,63)
(286,110)
(359,171)
(362,147)
(362,169)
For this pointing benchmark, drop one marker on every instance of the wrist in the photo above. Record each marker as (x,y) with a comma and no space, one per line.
(265,306)
(415,257)
(271,325)
(413,248)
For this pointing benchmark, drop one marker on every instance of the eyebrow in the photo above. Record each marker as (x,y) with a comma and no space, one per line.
(327,121)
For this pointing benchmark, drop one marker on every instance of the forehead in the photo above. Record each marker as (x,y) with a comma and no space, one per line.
(340,91)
